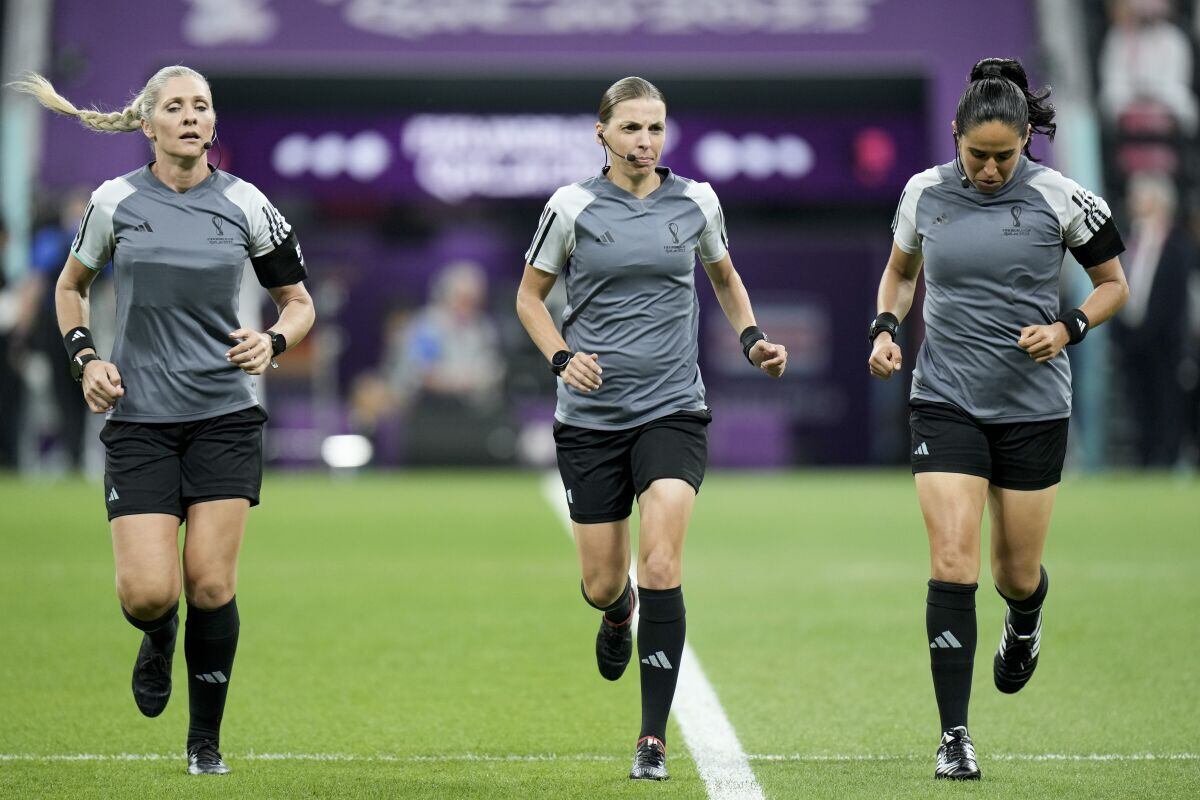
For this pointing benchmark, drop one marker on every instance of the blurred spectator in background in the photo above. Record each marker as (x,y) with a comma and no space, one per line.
(1146,64)
(11,389)
(1152,329)
(36,344)
(443,377)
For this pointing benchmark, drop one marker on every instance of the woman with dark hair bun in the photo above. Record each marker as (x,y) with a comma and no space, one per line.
(991,391)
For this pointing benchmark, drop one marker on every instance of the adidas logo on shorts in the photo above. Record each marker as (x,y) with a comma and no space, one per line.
(922,450)
(113,496)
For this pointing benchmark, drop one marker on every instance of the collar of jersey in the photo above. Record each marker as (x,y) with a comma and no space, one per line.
(664,177)
(153,180)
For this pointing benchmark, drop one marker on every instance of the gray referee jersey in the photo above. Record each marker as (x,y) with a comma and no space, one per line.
(992,265)
(178,259)
(629,265)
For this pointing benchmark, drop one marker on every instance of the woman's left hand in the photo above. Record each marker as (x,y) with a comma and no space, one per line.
(771,358)
(252,354)
(1043,342)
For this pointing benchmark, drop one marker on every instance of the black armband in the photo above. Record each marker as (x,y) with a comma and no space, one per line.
(283,266)
(76,339)
(1105,244)
(886,321)
(751,336)
(1077,324)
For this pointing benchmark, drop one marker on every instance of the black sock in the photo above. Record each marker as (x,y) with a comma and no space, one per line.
(209,643)
(161,630)
(1025,612)
(950,624)
(662,624)
(618,612)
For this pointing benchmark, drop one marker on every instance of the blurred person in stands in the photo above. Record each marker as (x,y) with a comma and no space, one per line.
(446,370)
(1146,59)
(1151,331)
(11,385)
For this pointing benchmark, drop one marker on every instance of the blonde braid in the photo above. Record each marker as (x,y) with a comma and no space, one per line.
(129,119)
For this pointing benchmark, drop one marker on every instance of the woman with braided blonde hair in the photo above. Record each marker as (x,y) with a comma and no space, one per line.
(183,440)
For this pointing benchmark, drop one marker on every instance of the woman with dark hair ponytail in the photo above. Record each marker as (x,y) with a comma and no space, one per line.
(991,392)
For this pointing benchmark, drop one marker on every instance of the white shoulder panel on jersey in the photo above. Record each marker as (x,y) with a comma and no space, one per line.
(1080,213)
(94,242)
(554,240)
(714,242)
(904,225)
(268,228)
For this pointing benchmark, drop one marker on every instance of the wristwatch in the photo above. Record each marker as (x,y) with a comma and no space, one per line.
(79,362)
(560,360)
(278,345)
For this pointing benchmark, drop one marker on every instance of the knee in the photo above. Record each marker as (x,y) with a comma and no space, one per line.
(955,564)
(210,592)
(148,601)
(1016,581)
(660,569)
(604,589)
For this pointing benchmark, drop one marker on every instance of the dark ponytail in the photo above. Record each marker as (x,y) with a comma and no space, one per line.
(999,90)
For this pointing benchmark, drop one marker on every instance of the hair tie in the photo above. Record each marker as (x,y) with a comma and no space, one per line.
(992,71)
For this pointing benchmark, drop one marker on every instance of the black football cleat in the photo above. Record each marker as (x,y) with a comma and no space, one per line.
(650,761)
(152,674)
(1016,657)
(956,757)
(205,759)
(614,643)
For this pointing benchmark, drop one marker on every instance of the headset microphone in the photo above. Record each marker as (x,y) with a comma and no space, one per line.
(630,157)
(207,145)
(966,182)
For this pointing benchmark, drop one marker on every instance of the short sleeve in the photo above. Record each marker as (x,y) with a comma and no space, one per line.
(1084,219)
(274,250)
(554,240)
(714,240)
(95,242)
(1090,233)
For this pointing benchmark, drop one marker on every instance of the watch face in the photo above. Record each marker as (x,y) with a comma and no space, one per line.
(561,358)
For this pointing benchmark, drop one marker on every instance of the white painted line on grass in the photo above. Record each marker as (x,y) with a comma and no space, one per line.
(519,758)
(707,732)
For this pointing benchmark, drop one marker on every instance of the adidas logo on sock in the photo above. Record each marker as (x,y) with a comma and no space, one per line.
(922,450)
(606,238)
(658,659)
(113,496)
(213,677)
(945,640)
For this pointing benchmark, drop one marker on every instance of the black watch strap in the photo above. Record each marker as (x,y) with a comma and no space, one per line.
(278,343)
(886,321)
(79,362)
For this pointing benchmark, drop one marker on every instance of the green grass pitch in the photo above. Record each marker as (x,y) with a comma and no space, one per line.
(427,630)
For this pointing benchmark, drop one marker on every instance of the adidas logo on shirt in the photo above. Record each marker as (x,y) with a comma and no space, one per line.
(144,228)
(922,450)
(945,640)
(113,496)
(606,238)
(658,659)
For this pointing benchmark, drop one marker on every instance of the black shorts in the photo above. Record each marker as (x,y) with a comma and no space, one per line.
(602,471)
(1012,455)
(165,467)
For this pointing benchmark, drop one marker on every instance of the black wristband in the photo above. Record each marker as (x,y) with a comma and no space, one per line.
(76,339)
(1077,324)
(750,337)
(886,321)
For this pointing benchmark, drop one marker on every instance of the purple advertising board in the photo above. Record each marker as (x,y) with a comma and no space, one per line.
(101,52)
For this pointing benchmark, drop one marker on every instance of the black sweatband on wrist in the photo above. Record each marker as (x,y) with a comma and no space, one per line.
(77,339)
(1077,324)
(887,321)
(750,337)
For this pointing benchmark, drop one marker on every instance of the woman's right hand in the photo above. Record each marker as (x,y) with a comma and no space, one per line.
(885,357)
(101,385)
(582,372)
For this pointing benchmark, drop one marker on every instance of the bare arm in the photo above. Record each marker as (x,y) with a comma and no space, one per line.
(897,288)
(296,318)
(735,302)
(101,381)
(1109,293)
(583,370)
